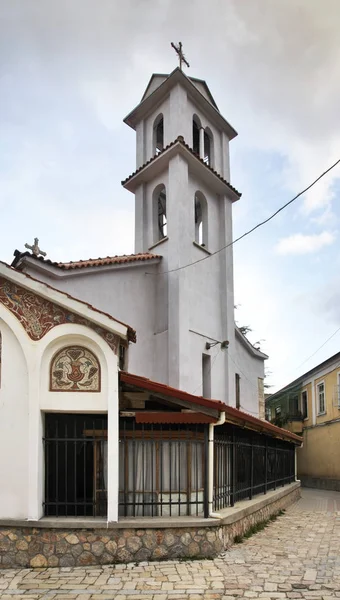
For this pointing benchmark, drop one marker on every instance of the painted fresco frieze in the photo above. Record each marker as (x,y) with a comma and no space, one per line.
(75,369)
(38,315)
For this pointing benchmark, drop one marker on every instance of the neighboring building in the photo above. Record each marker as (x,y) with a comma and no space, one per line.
(181,305)
(310,405)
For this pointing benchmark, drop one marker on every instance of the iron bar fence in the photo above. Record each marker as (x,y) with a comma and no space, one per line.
(162,470)
(247,463)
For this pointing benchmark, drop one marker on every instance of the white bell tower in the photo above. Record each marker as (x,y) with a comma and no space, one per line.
(183,212)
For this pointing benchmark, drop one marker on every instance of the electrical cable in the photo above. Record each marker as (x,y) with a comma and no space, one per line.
(322,345)
(253,228)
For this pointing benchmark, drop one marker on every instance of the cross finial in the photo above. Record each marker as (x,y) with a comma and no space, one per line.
(35,248)
(181,56)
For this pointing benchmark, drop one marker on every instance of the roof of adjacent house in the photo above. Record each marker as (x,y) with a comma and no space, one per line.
(180,141)
(90,262)
(233,415)
(299,381)
(62,298)
(249,346)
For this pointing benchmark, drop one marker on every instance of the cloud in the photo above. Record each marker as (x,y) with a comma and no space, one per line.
(304,244)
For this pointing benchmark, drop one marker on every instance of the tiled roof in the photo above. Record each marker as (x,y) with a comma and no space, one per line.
(108,260)
(91,262)
(233,415)
(180,140)
(131,333)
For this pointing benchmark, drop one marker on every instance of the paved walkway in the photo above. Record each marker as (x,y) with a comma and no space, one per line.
(296,556)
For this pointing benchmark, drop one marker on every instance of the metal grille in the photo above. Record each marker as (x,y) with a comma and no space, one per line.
(75,465)
(248,463)
(162,470)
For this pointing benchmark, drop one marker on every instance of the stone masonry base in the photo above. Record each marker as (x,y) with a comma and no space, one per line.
(136,540)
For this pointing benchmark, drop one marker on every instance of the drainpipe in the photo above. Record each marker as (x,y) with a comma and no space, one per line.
(211,464)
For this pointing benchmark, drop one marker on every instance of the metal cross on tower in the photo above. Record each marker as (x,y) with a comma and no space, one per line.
(181,56)
(35,248)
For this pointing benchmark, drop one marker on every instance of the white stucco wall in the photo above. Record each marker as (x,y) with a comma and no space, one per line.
(14,409)
(25,398)
(130,296)
(250,369)
(178,110)
(175,314)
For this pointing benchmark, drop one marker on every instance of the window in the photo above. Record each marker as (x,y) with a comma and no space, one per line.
(304,405)
(336,391)
(159,208)
(158,135)
(201,219)
(208,147)
(293,405)
(237,390)
(161,211)
(321,398)
(196,126)
(277,410)
(206,375)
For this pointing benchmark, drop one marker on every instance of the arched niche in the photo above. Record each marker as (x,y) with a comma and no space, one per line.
(196,126)
(208,147)
(158,135)
(75,368)
(160,223)
(201,219)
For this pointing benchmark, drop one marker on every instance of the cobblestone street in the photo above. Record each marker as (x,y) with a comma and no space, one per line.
(296,556)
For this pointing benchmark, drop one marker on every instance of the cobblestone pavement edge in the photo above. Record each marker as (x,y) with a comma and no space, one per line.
(296,556)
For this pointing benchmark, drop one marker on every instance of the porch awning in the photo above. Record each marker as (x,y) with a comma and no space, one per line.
(203,407)
(183,418)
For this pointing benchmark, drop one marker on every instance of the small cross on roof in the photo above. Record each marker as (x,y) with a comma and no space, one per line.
(35,248)
(181,56)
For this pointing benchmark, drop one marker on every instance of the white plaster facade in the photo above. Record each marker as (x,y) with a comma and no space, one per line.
(176,313)
(25,397)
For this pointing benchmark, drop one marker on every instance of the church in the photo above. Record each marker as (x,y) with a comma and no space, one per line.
(126,390)
(177,289)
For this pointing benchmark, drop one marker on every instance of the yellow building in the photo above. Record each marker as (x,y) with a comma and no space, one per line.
(310,405)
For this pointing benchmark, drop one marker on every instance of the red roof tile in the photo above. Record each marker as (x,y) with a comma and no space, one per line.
(108,260)
(180,140)
(91,262)
(233,415)
(161,388)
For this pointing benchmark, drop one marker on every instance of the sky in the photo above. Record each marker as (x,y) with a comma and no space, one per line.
(70,71)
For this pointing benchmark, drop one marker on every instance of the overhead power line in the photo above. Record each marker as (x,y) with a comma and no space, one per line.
(317,350)
(253,228)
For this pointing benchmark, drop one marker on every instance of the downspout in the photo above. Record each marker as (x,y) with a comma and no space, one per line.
(211,464)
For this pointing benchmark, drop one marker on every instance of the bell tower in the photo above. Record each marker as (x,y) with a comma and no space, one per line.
(183,212)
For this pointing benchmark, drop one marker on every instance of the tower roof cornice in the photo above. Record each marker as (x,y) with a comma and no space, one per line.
(150,100)
(158,162)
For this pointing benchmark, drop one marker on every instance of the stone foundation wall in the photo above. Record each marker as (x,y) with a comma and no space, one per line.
(47,547)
